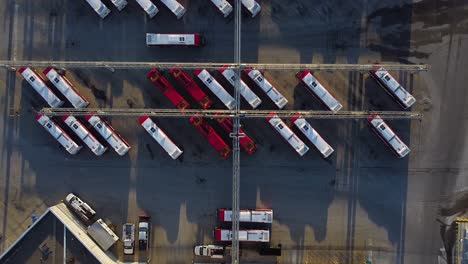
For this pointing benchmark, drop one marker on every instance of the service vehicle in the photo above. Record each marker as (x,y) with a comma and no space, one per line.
(225,235)
(83,133)
(314,137)
(100,8)
(277,98)
(388,136)
(149,7)
(252,216)
(166,143)
(286,132)
(143,232)
(252,6)
(216,88)
(224,6)
(36,81)
(80,208)
(192,88)
(247,144)
(66,88)
(391,85)
(210,134)
(58,133)
(120,4)
(319,91)
(109,134)
(102,234)
(212,251)
(167,89)
(128,238)
(188,40)
(251,98)
(176,8)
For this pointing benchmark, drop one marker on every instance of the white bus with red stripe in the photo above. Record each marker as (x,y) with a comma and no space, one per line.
(66,88)
(216,88)
(224,6)
(312,135)
(100,8)
(108,133)
(384,78)
(188,40)
(388,136)
(83,133)
(120,4)
(58,133)
(277,98)
(149,7)
(293,140)
(251,98)
(166,143)
(36,81)
(252,6)
(252,216)
(176,8)
(319,91)
(225,235)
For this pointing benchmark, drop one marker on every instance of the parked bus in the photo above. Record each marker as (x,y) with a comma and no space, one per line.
(188,40)
(149,7)
(120,4)
(264,216)
(58,133)
(216,88)
(176,8)
(314,137)
(245,142)
(100,8)
(252,6)
(66,88)
(192,88)
(166,143)
(83,133)
(286,132)
(210,134)
(36,81)
(108,133)
(388,136)
(225,235)
(224,6)
(319,91)
(277,98)
(167,89)
(386,80)
(245,91)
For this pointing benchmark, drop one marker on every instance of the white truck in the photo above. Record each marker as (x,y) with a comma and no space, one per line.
(102,234)
(143,232)
(82,209)
(128,238)
(211,251)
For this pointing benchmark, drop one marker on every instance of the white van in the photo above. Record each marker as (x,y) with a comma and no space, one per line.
(100,8)
(149,7)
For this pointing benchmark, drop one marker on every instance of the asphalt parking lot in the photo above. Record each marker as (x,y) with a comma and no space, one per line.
(360,200)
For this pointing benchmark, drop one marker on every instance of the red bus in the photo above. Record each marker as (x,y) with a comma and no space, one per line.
(167,89)
(192,87)
(245,142)
(210,134)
